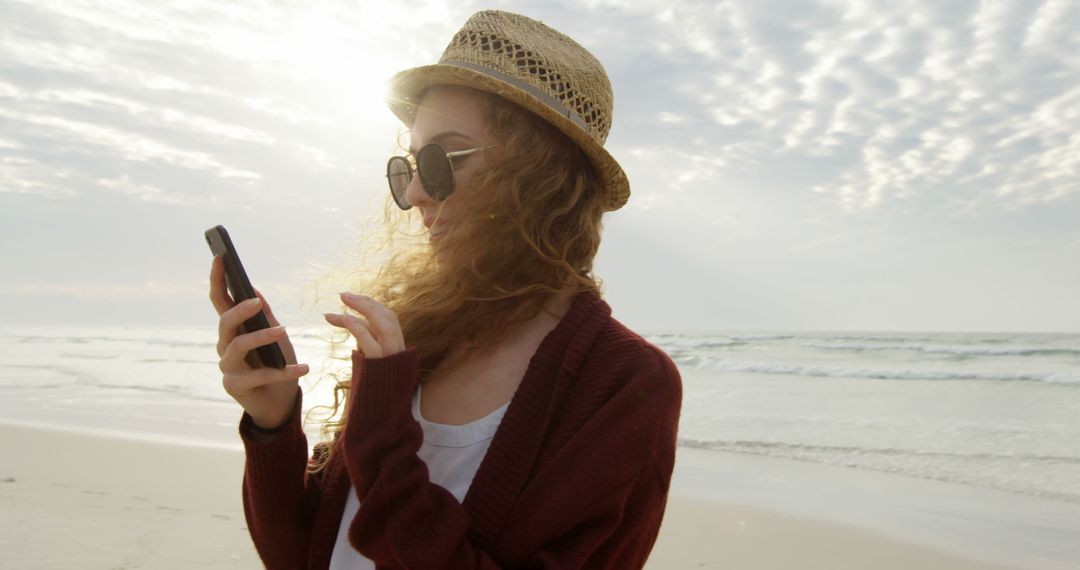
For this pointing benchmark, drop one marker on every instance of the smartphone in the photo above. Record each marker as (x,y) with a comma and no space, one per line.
(240,289)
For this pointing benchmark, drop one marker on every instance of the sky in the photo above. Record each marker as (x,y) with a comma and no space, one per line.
(794,165)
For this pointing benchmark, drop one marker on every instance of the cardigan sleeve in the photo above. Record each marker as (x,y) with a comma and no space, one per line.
(280,498)
(405,521)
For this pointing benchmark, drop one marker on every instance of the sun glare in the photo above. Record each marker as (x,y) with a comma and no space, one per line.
(339,58)
(336,59)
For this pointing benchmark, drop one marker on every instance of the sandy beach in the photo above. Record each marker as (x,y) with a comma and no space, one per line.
(78,501)
(73,500)
(705,534)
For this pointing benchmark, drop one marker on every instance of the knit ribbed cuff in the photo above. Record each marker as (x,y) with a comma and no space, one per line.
(383,387)
(264,458)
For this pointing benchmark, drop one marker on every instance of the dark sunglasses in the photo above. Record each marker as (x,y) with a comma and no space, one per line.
(435,166)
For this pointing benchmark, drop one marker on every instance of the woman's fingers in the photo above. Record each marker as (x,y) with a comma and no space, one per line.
(219,294)
(365,339)
(232,314)
(270,318)
(264,392)
(233,358)
(286,346)
(235,314)
(244,381)
(231,320)
(384,322)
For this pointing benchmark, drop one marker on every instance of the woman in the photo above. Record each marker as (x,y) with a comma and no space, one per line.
(497,415)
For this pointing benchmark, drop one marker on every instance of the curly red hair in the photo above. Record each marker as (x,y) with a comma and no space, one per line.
(525,229)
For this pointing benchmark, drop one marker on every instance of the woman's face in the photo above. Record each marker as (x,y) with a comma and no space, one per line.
(453,118)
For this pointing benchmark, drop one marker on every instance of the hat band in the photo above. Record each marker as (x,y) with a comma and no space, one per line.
(544,98)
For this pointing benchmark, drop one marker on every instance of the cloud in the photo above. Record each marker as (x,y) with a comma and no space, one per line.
(21,175)
(893,102)
(127,145)
(669,117)
(200,96)
(896,103)
(781,150)
(125,186)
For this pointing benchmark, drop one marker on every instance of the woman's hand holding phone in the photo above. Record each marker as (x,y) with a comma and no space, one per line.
(266,394)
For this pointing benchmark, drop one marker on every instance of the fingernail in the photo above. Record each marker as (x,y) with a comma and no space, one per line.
(252,302)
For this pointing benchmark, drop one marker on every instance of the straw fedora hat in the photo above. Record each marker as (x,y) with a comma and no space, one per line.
(527,62)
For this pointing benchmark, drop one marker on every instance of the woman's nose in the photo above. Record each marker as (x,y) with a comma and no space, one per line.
(415,193)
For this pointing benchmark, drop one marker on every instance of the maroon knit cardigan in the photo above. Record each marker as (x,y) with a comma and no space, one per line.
(576,476)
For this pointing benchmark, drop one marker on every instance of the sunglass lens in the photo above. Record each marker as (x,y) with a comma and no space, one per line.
(399,173)
(436,172)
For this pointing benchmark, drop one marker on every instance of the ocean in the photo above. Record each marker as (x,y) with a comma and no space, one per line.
(992,410)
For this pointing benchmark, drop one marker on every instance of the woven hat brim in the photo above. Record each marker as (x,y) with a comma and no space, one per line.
(405,87)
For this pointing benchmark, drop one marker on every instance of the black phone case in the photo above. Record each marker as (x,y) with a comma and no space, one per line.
(240,288)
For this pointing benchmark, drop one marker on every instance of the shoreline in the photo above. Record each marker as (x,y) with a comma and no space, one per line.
(124,502)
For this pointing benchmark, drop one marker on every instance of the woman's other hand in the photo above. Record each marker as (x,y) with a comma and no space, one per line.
(266,394)
(377,330)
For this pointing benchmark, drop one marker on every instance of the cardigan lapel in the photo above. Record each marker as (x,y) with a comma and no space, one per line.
(510,459)
(335,492)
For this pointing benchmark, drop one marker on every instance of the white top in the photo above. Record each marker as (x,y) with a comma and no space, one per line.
(452,454)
